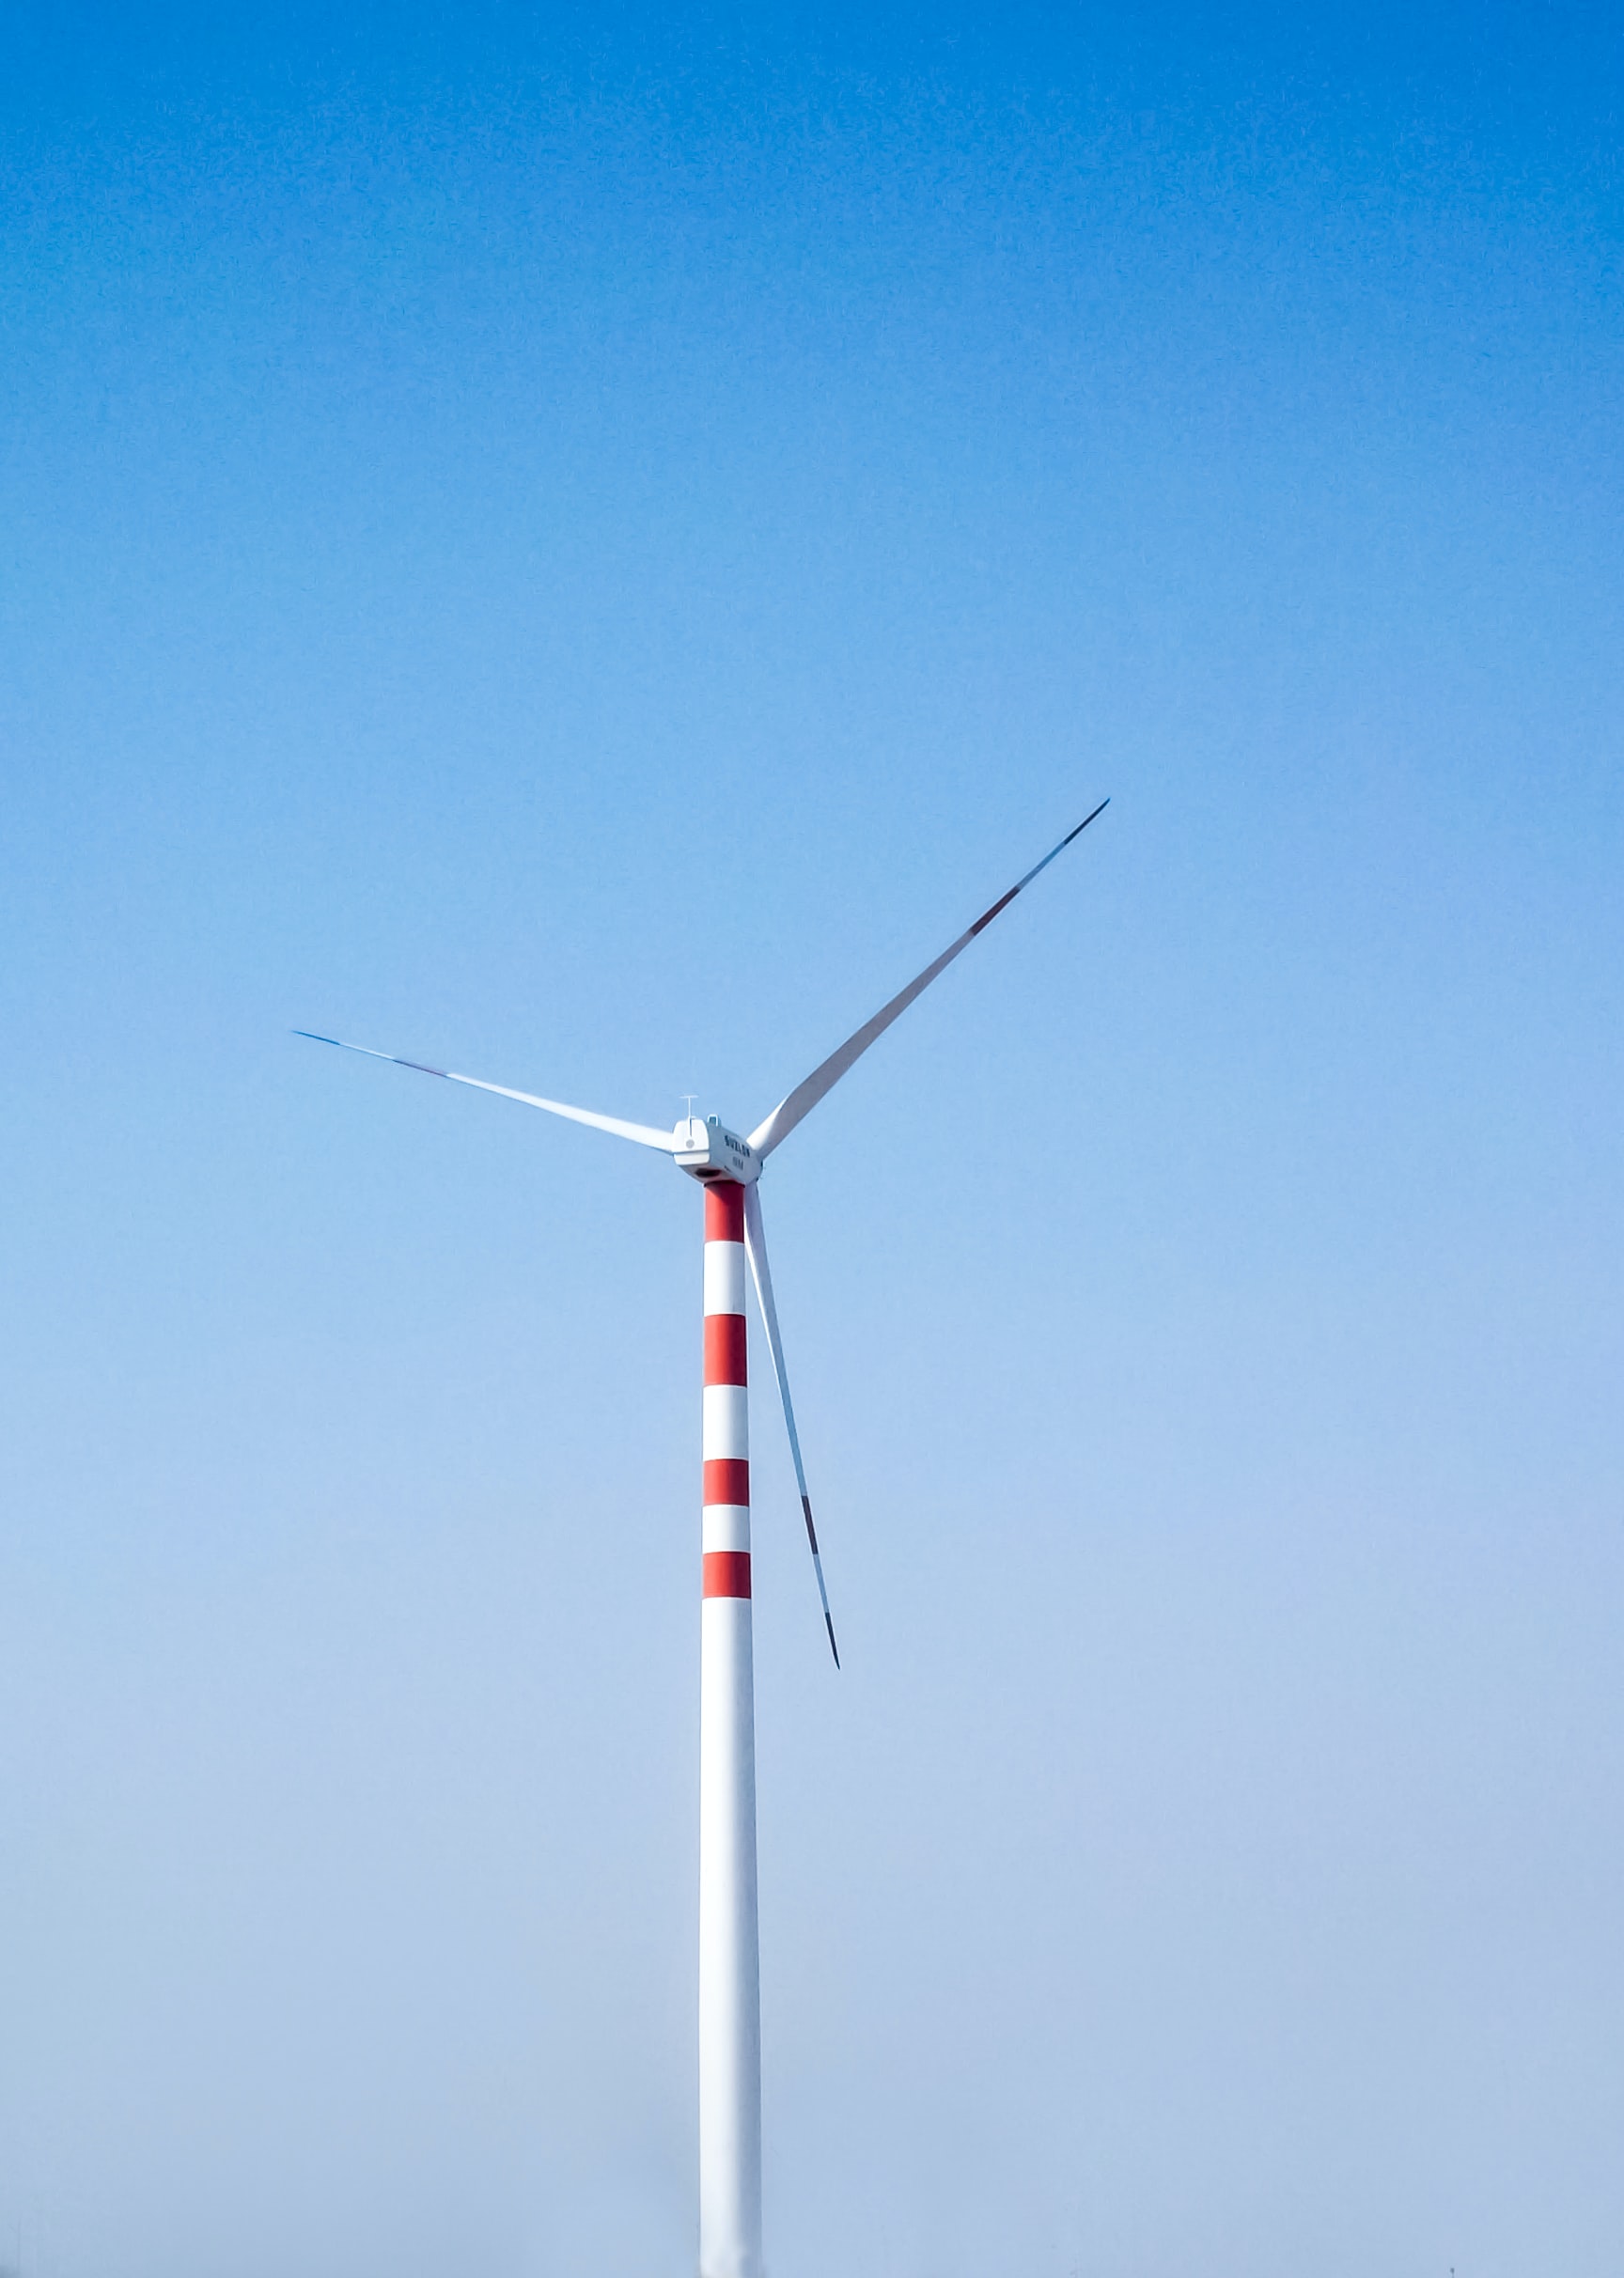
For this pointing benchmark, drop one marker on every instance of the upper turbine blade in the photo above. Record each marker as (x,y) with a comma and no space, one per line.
(643,1134)
(756,1250)
(807,1093)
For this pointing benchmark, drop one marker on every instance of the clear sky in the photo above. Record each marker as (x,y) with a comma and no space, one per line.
(583,545)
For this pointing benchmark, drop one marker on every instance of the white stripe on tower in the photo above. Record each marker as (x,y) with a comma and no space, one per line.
(729,1973)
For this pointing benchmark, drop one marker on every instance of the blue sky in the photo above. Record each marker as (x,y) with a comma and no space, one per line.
(583,546)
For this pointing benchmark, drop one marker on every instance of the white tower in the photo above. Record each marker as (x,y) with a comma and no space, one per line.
(729,1968)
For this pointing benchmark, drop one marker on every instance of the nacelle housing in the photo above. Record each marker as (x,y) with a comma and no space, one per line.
(708,1151)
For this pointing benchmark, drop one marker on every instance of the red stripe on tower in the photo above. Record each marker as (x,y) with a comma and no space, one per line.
(725,1349)
(727,1574)
(726,1480)
(725,1213)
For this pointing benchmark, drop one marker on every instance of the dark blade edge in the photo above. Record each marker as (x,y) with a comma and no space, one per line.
(419,1066)
(818,1567)
(1005,900)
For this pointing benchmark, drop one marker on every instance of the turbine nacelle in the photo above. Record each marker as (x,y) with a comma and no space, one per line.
(709,1151)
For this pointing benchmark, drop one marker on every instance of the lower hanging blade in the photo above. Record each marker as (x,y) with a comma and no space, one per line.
(756,1250)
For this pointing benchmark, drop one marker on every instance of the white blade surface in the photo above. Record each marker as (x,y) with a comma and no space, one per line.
(643,1134)
(756,1250)
(806,1096)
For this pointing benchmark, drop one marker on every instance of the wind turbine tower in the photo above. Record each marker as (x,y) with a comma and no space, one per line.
(729,1168)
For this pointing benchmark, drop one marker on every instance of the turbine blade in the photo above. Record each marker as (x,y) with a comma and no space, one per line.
(807,1094)
(756,1250)
(643,1134)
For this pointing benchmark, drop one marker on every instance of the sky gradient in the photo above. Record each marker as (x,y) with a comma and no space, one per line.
(583,547)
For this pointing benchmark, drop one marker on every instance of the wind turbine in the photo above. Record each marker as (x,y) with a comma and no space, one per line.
(728,1168)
